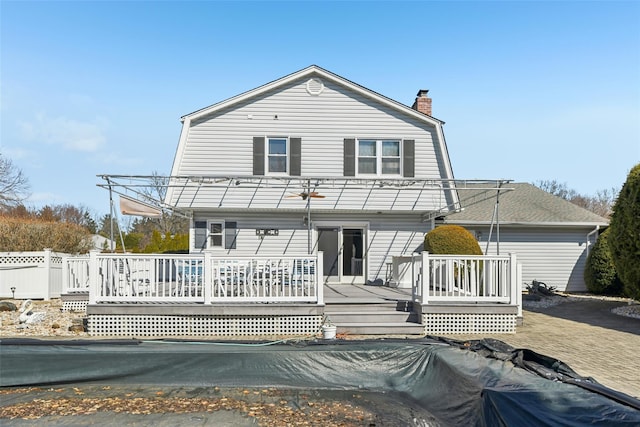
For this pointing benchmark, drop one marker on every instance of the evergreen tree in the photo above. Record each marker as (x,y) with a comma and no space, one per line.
(624,237)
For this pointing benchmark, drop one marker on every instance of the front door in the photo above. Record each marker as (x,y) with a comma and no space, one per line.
(343,253)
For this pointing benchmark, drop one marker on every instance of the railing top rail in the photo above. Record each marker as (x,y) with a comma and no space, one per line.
(132,255)
(264,258)
(470,257)
(202,256)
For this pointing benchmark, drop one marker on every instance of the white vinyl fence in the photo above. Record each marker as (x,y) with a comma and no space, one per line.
(31,275)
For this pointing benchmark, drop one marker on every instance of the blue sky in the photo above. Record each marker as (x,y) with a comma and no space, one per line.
(528,90)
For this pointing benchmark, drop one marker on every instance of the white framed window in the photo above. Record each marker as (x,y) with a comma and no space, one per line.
(215,234)
(379,157)
(277,158)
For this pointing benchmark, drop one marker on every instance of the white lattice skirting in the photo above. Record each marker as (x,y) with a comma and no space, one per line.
(201,326)
(75,305)
(471,323)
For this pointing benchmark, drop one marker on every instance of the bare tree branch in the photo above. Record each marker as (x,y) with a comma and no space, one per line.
(14,186)
(600,204)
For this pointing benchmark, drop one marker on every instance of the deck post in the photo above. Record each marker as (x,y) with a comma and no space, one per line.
(207,280)
(93,276)
(519,289)
(423,279)
(415,286)
(320,277)
(513,279)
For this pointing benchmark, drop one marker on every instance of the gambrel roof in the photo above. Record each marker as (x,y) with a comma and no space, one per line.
(215,149)
(311,71)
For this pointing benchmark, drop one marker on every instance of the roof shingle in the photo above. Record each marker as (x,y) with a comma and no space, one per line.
(525,204)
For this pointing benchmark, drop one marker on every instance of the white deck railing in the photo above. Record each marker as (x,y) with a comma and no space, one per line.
(460,278)
(131,278)
(75,274)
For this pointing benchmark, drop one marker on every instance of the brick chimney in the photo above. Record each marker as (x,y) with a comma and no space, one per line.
(422,102)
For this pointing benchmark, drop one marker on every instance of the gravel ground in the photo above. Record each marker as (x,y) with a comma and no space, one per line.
(627,308)
(57,323)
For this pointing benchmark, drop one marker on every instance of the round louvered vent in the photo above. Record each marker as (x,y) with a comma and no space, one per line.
(315,86)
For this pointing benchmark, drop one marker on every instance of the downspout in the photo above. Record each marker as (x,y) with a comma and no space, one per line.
(589,235)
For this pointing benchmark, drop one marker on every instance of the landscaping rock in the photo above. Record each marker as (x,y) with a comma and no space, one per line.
(7,306)
(76,328)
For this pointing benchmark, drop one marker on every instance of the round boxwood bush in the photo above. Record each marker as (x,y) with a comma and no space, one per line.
(600,273)
(451,239)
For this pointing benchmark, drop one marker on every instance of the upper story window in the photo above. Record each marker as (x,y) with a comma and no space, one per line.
(277,157)
(379,157)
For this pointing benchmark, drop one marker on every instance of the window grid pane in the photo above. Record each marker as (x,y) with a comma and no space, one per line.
(367,148)
(277,164)
(366,165)
(390,166)
(216,240)
(390,148)
(278,146)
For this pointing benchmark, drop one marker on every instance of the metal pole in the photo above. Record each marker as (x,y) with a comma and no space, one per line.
(498,220)
(309,216)
(111,241)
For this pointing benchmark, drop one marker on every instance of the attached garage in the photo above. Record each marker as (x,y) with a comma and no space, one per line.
(550,236)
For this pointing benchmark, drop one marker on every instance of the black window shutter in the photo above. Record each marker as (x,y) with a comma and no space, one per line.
(295,159)
(230,234)
(409,158)
(349,157)
(258,155)
(200,235)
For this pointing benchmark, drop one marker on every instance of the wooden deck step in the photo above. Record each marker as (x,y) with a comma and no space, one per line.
(375,317)
(371,316)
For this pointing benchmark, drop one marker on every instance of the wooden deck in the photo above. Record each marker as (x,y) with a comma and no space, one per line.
(158,295)
(339,293)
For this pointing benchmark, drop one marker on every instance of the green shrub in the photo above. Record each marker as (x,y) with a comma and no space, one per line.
(624,240)
(176,243)
(600,273)
(451,239)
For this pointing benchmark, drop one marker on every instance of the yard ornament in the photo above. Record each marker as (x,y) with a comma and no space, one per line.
(28,316)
